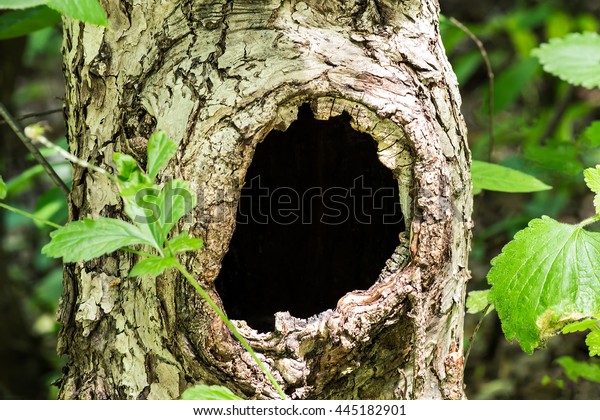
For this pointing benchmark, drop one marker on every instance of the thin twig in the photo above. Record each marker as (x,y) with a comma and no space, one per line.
(490,75)
(475,331)
(16,128)
(34,132)
(35,115)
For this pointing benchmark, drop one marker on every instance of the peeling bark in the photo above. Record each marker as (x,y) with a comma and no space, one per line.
(218,76)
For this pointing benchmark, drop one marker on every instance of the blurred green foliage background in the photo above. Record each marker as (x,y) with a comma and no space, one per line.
(539,128)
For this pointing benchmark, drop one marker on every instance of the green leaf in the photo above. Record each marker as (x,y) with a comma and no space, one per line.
(3,189)
(128,169)
(511,83)
(582,325)
(174,201)
(20,4)
(160,151)
(593,342)
(489,176)
(130,177)
(592,180)
(574,58)
(23,181)
(591,135)
(140,204)
(557,156)
(86,239)
(575,370)
(23,22)
(477,301)
(139,195)
(47,291)
(48,211)
(546,277)
(86,10)
(206,392)
(183,242)
(152,265)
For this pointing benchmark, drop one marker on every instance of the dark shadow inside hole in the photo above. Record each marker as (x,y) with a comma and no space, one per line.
(318,217)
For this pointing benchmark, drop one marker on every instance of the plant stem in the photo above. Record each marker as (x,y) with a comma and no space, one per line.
(475,331)
(229,324)
(33,133)
(595,218)
(29,215)
(133,251)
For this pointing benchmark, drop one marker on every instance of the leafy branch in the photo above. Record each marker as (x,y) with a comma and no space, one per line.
(154,209)
(546,281)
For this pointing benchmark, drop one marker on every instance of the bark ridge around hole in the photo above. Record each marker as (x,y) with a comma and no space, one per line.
(319,216)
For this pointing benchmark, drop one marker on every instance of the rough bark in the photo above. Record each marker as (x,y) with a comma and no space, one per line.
(218,76)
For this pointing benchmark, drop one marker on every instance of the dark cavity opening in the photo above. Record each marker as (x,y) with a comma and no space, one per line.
(318,217)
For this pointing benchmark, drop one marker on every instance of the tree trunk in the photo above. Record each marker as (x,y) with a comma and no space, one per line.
(364,79)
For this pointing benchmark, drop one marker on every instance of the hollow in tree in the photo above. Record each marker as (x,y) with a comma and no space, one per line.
(227,79)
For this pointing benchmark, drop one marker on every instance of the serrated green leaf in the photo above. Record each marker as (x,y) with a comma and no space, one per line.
(592,180)
(183,242)
(86,10)
(574,58)
(3,189)
(152,265)
(160,151)
(582,325)
(206,392)
(477,301)
(575,370)
(489,176)
(593,342)
(546,277)
(20,4)
(86,239)
(22,22)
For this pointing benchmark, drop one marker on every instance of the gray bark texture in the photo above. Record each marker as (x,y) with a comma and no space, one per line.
(218,76)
